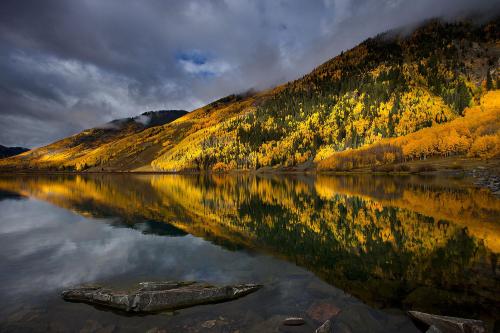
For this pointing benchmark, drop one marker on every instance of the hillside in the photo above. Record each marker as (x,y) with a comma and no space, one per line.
(11,151)
(475,135)
(386,87)
(68,153)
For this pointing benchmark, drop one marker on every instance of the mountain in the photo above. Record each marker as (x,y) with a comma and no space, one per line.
(389,86)
(66,153)
(146,120)
(11,151)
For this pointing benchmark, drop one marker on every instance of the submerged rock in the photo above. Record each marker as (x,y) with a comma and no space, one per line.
(158,296)
(322,310)
(446,324)
(209,324)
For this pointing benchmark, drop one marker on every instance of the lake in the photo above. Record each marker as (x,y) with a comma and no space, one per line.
(318,244)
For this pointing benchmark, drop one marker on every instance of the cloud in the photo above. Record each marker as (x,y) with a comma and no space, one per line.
(71,65)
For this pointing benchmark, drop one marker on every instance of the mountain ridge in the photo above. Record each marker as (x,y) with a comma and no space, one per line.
(11,151)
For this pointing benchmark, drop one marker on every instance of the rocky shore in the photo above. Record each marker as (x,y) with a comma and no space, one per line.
(360,319)
(153,297)
(486,178)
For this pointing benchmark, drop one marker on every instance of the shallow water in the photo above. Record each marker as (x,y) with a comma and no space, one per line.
(317,244)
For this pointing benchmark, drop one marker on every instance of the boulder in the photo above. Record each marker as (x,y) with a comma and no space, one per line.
(446,324)
(158,296)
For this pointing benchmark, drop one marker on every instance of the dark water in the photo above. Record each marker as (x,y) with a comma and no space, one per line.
(318,244)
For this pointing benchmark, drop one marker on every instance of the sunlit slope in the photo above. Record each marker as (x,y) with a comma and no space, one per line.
(130,148)
(91,147)
(386,87)
(475,135)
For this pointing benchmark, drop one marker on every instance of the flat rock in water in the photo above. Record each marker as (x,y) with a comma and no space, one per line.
(449,324)
(158,296)
(294,321)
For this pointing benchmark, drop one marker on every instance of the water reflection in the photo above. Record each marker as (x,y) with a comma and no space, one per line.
(404,242)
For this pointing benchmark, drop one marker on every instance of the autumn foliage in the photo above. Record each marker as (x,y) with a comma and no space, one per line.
(477,134)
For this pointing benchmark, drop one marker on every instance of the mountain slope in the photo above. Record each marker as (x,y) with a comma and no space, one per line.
(68,153)
(475,135)
(388,86)
(11,151)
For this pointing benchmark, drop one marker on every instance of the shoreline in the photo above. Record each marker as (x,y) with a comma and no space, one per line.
(436,166)
(480,173)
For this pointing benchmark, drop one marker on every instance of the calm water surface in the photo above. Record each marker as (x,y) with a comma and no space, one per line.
(317,244)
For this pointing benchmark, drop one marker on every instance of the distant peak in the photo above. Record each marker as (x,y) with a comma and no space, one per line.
(146,119)
(11,151)
(148,113)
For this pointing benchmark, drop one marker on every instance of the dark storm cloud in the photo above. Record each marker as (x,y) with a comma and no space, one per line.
(69,65)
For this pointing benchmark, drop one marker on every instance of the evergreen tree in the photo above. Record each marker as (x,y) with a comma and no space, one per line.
(489,81)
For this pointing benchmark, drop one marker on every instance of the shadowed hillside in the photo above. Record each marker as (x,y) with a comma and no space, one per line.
(11,151)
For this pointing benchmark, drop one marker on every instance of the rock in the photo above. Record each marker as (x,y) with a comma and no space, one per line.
(158,296)
(449,324)
(325,328)
(322,311)
(487,178)
(209,324)
(166,285)
(294,321)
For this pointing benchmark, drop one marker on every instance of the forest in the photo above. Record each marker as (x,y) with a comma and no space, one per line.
(475,135)
(387,87)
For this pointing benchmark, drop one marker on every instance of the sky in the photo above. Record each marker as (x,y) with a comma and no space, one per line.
(70,65)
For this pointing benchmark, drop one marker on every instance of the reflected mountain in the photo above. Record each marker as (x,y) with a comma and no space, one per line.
(6,194)
(406,242)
